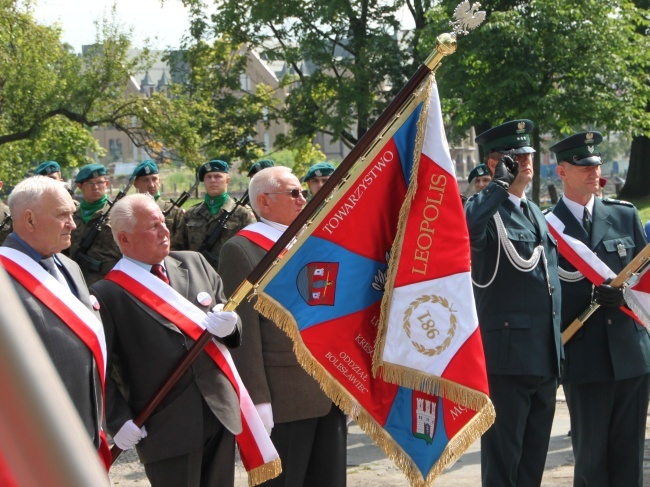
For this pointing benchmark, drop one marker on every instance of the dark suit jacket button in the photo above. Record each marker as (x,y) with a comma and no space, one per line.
(553,314)
(505,324)
(552,289)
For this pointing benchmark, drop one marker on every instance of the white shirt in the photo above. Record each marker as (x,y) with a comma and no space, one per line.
(578,210)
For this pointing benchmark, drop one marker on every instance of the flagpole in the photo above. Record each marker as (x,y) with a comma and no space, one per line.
(445,45)
(631,270)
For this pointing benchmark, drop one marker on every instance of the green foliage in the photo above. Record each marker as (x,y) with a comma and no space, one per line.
(343,58)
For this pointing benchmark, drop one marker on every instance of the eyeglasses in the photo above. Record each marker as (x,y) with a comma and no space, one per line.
(295,193)
(94,183)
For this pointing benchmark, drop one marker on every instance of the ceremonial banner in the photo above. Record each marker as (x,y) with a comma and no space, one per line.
(428,335)
(326,293)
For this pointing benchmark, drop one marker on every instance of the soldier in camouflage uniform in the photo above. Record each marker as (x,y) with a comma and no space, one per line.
(199,221)
(104,253)
(146,180)
(5,220)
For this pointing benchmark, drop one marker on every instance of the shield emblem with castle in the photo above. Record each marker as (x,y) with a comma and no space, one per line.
(316,283)
(424,410)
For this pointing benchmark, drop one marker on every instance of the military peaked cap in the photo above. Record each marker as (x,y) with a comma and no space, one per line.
(579,149)
(510,136)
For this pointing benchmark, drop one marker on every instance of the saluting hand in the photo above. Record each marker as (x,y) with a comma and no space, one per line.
(505,171)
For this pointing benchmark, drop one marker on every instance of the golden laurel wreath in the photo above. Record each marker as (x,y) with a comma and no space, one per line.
(452,324)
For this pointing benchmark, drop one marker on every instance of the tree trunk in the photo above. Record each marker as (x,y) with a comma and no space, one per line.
(638,174)
(536,165)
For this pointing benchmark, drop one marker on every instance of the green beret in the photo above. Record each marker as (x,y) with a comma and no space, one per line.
(259,165)
(579,149)
(318,170)
(145,168)
(511,136)
(90,171)
(214,165)
(47,167)
(480,170)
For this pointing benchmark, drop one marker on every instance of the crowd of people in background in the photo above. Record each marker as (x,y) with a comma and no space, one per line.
(527,293)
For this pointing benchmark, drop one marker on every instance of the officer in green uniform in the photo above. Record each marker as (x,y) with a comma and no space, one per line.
(606,374)
(517,291)
(146,180)
(317,175)
(103,252)
(5,220)
(200,220)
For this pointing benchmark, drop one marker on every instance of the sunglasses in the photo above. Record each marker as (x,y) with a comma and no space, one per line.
(295,193)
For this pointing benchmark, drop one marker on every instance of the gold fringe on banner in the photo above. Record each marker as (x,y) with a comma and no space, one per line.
(264,472)
(344,400)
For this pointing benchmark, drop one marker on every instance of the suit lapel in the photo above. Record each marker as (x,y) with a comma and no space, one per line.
(572,227)
(517,216)
(178,276)
(600,224)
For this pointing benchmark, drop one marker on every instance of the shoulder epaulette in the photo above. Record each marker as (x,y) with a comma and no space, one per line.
(610,201)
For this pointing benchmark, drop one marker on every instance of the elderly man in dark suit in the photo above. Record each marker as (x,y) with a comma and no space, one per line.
(189,440)
(307,429)
(42,211)
(607,371)
(516,286)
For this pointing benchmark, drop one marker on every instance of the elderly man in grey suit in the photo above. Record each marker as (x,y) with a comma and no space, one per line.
(307,429)
(189,439)
(51,286)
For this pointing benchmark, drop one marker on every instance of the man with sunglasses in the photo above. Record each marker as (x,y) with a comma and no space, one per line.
(104,253)
(307,429)
(200,220)
(517,291)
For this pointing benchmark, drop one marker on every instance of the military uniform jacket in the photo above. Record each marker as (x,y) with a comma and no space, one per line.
(143,349)
(519,312)
(71,357)
(266,361)
(8,228)
(198,223)
(102,255)
(610,345)
(174,219)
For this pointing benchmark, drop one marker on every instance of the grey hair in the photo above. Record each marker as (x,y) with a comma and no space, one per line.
(266,181)
(123,212)
(27,193)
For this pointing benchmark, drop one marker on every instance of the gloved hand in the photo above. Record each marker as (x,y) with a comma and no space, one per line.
(608,296)
(220,323)
(266,415)
(129,435)
(506,171)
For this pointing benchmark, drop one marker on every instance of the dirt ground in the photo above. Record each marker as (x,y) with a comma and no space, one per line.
(369,467)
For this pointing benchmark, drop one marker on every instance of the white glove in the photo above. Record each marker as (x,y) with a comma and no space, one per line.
(265,412)
(220,323)
(129,435)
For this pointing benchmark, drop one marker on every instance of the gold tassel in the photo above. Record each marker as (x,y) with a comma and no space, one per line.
(346,402)
(264,472)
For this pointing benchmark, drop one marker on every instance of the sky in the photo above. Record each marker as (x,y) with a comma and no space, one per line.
(162,25)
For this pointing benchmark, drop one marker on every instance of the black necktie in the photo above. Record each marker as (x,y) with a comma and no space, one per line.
(50,266)
(526,211)
(158,271)
(586,222)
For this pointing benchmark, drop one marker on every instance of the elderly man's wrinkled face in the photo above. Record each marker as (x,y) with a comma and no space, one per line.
(286,202)
(148,242)
(50,222)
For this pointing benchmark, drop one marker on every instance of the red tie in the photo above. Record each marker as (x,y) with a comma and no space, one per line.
(158,271)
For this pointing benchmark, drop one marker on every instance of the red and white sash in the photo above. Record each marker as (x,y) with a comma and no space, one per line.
(255,446)
(60,300)
(261,234)
(582,258)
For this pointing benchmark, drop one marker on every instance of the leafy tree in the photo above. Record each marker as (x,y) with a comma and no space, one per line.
(343,57)
(565,64)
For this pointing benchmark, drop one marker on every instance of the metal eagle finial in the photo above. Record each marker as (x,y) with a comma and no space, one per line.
(467,17)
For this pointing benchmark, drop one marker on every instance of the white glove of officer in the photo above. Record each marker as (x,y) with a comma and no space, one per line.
(266,415)
(220,323)
(129,435)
